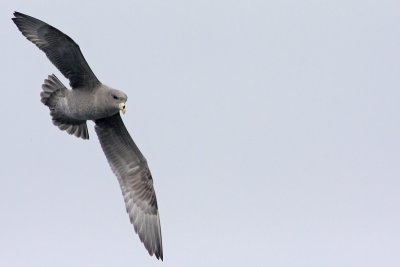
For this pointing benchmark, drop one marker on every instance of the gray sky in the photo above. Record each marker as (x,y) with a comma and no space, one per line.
(271,129)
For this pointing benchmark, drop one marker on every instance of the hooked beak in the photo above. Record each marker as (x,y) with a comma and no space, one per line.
(122,107)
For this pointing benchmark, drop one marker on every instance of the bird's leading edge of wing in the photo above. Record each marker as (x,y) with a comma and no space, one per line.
(62,51)
(135,180)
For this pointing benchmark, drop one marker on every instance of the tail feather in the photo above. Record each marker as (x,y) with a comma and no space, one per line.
(51,85)
(53,90)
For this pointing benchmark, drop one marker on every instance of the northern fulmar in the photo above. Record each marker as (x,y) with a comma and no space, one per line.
(89,99)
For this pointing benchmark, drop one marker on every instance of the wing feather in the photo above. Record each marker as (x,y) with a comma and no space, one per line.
(62,51)
(130,167)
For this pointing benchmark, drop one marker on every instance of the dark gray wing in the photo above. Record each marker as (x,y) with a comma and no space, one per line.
(62,51)
(134,177)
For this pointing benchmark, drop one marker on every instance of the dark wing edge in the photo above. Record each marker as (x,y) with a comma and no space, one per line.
(130,167)
(61,50)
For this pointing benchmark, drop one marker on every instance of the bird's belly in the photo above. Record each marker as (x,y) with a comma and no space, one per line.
(85,108)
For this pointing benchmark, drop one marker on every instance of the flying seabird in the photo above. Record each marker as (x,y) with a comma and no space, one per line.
(89,99)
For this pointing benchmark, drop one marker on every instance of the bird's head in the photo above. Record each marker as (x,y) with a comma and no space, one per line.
(118,99)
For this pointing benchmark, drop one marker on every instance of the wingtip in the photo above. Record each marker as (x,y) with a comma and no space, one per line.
(18,14)
(160,257)
(158,253)
(15,16)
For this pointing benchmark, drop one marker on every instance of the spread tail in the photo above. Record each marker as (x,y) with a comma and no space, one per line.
(53,91)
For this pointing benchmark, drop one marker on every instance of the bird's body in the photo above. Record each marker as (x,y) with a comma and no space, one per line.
(89,99)
(91,103)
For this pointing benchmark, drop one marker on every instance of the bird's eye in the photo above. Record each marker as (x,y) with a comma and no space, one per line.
(115,97)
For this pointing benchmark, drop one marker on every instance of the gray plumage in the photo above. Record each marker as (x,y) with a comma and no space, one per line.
(89,99)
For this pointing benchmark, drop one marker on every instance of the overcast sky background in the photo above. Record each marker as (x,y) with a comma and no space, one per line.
(271,129)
